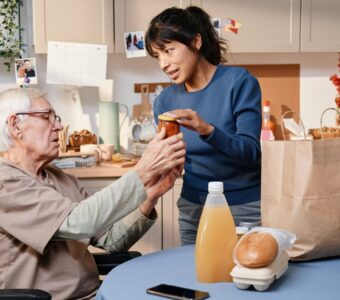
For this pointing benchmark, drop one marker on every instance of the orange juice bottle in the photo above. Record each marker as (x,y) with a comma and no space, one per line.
(216,238)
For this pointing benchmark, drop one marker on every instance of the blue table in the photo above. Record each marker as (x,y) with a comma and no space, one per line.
(304,280)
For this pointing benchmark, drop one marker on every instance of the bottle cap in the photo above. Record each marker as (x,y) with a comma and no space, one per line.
(266,102)
(215,186)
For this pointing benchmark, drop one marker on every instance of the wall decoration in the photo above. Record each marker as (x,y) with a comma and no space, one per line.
(26,71)
(134,44)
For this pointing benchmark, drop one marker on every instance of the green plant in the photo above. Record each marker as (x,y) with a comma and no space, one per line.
(10,44)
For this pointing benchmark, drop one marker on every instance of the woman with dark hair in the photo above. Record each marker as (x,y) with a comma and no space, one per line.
(219,109)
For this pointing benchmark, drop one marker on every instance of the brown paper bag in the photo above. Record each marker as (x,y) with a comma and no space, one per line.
(301,194)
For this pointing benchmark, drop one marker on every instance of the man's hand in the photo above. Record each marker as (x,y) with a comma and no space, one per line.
(158,187)
(161,156)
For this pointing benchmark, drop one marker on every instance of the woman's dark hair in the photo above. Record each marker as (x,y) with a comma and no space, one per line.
(183,25)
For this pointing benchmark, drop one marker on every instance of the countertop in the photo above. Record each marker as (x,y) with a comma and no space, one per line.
(99,171)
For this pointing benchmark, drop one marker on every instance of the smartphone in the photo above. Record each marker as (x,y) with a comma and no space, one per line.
(177,292)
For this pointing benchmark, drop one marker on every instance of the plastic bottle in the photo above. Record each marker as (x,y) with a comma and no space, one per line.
(267,131)
(216,238)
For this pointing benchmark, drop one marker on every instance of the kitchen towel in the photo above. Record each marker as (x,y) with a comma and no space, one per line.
(300,193)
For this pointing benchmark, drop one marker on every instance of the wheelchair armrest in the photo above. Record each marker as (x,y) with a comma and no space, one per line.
(24,294)
(107,261)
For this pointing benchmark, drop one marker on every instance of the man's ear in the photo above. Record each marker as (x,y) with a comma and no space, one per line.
(197,42)
(14,127)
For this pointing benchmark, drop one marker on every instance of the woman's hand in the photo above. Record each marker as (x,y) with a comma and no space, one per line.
(190,119)
(161,156)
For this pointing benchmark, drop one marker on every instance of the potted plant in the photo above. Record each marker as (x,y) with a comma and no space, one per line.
(10,31)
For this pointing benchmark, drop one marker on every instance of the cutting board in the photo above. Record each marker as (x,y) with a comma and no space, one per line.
(75,154)
(143,109)
(121,164)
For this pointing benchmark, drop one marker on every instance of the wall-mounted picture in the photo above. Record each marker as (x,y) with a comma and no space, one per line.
(26,71)
(217,25)
(134,44)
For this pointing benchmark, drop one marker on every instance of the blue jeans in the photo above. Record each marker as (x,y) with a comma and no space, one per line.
(190,213)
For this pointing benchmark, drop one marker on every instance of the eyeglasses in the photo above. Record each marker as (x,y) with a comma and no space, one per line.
(46,114)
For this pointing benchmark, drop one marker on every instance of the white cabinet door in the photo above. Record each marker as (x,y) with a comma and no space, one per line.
(152,240)
(135,15)
(320,26)
(78,21)
(267,25)
(170,216)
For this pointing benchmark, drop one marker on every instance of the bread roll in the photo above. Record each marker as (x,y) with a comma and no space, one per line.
(256,249)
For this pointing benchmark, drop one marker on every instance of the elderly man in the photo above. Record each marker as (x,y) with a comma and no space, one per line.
(47,219)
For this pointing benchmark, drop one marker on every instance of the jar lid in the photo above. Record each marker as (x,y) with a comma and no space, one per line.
(166,118)
(241,230)
(250,224)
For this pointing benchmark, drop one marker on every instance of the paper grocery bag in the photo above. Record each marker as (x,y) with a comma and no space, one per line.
(300,193)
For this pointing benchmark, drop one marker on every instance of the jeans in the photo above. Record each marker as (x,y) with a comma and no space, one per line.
(190,213)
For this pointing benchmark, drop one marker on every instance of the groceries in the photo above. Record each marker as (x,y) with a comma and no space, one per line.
(325,133)
(256,249)
(268,126)
(299,132)
(216,238)
(260,257)
(260,278)
(170,124)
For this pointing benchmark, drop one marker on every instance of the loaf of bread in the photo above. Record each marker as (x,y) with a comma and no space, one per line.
(256,249)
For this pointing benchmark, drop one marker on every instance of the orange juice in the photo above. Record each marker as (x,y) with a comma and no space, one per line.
(216,240)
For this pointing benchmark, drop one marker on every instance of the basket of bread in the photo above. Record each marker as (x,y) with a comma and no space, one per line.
(260,257)
(325,132)
(81,138)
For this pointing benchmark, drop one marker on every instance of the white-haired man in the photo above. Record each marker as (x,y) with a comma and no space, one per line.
(47,220)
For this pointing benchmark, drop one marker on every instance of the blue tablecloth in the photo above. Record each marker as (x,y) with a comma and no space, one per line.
(303,280)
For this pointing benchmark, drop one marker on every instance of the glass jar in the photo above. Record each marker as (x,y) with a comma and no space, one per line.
(170,124)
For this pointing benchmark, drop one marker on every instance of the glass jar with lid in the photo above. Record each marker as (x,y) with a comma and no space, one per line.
(170,124)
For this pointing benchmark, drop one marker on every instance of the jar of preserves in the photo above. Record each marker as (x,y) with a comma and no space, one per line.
(170,124)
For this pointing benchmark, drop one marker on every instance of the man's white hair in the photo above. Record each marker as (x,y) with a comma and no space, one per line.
(13,101)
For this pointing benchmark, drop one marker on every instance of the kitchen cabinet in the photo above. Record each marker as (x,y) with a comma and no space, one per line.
(135,15)
(267,25)
(320,26)
(77,21)
(170,216)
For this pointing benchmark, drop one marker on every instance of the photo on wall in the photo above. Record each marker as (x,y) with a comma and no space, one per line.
(26,71)
(217,25)
(134,44)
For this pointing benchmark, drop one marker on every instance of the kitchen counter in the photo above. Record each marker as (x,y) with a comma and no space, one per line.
(98,171)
